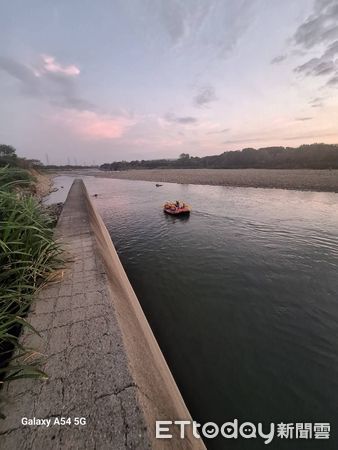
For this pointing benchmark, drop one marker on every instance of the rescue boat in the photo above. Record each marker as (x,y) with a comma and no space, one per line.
(176,208)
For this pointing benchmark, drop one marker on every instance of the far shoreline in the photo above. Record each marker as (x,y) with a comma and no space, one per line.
(325,180)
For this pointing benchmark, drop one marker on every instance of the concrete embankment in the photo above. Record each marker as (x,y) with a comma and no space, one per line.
(103,362)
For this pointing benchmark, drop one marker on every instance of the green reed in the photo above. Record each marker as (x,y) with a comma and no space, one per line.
(28,257)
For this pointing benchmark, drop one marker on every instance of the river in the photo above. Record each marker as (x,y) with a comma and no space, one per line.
(242,297)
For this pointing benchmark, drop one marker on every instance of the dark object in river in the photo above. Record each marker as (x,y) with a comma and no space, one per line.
(158,185)
(95,195)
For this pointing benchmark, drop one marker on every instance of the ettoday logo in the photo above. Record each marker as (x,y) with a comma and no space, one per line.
(245,430)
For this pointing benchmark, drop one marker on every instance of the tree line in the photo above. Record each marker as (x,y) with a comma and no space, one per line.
(312,156)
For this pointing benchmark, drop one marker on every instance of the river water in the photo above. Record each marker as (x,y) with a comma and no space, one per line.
(242,297)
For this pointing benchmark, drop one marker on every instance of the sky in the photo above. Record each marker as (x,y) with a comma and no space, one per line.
(86,81)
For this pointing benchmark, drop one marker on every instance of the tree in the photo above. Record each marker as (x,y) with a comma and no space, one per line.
(6,150)
(184,156)
(7,155)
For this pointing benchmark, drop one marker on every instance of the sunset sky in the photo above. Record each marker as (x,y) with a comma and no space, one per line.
(96,81)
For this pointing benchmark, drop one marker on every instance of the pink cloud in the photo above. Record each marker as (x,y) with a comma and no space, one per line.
(51,65)
(92,125)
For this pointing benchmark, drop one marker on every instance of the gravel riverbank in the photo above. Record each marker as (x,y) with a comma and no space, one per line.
(300,179)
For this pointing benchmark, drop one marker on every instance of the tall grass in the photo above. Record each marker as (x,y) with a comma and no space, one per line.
(14,176)
(28,258)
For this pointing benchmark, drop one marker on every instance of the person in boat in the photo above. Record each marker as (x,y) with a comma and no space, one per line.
(177,204)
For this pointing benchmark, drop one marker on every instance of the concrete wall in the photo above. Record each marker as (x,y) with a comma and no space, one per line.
(102,359)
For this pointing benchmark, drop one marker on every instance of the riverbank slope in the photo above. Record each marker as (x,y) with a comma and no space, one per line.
(43,183)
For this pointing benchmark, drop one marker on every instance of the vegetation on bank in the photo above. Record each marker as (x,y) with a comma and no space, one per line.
(28,258)
(8,157)
(314,156)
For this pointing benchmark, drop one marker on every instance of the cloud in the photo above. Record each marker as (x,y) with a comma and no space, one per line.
(95,126)
(324,68)
(21,73)
(205,96)
(180,19)
(224,130)
(278,59)
(317,102)
(308,66)
(332,50)
(317,67)
(185,120)
(270,138)
(313,135)
(55,83)
(333,81)
(303,119)
(50,65)
(74,102)
(174,16)
(47,80)
(244,140)
(320,27)
(189,22)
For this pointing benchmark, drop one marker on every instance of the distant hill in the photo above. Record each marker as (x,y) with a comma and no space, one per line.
(312,156)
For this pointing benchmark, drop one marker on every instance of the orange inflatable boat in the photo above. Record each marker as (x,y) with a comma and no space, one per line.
(176,208)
